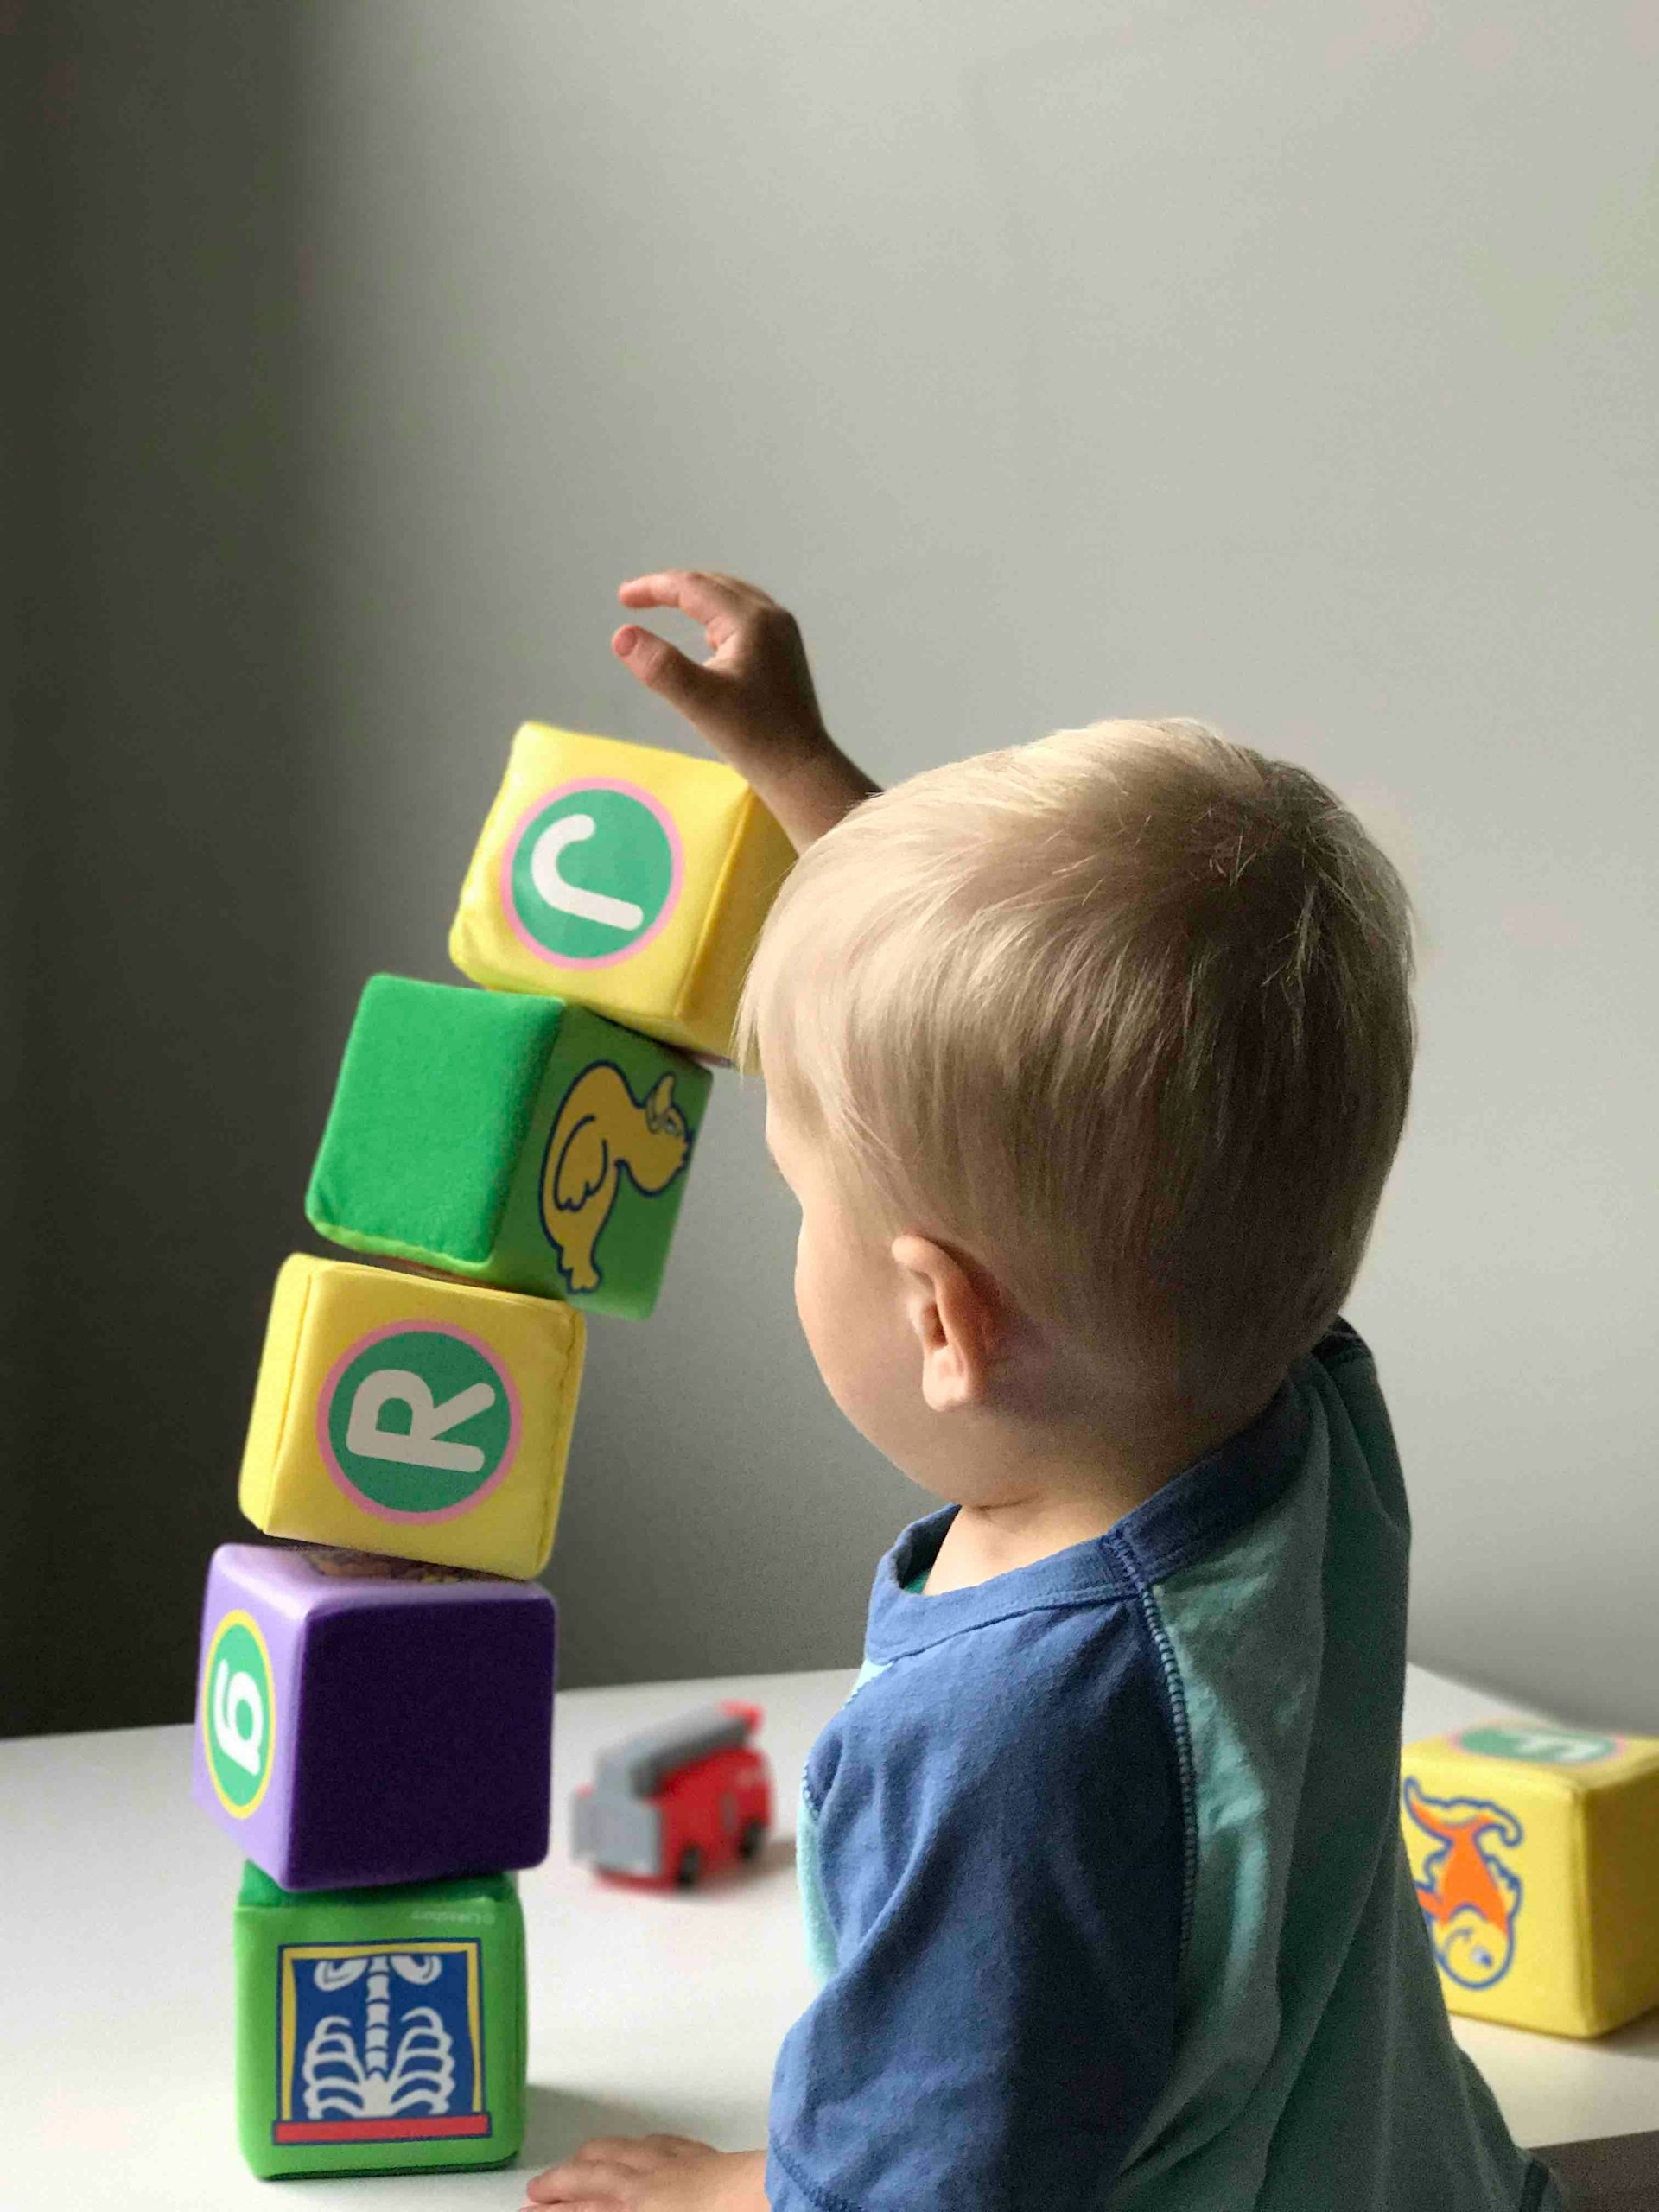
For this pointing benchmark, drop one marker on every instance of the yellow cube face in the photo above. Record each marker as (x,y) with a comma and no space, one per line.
(399,1414)
(1534,1852)
(626,879)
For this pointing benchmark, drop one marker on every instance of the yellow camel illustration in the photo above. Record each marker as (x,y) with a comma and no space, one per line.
(601,1129)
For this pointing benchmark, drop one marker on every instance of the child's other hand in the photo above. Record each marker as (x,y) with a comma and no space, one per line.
(653,2173)
(753,699)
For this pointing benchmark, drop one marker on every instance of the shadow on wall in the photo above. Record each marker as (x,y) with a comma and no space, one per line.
(163,811)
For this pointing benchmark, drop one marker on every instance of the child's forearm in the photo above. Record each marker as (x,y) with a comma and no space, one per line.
(811,795)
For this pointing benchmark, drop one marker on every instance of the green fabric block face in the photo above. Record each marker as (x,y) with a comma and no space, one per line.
(526,1143)
(434,1094)
(379,2031)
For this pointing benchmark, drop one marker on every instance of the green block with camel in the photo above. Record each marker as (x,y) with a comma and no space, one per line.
(519,1141)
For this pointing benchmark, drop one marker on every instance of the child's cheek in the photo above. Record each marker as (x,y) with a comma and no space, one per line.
(842,1316)
(826,1320)
(815,1291)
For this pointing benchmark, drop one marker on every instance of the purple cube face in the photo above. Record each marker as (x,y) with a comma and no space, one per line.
(362,1721)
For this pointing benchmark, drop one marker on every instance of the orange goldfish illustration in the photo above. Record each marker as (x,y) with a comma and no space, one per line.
(1470,1897)
(603,1133)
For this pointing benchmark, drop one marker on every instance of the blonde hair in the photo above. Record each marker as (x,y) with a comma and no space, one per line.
(1123,1013)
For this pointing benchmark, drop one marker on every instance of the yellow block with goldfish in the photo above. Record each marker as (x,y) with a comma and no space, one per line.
(1535,1853)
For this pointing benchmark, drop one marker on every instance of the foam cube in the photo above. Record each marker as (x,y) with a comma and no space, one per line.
(1534,1852)
(519,1141)
(630,880)
(363,1720)
(396,1412)
(379,2031)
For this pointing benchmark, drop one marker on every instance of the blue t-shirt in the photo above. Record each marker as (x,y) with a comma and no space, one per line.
(1103,1873)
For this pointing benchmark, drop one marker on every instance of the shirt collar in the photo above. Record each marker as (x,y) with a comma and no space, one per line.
(1195,1512)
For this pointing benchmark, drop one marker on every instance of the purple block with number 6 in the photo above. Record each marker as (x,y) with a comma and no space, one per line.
(362,1721)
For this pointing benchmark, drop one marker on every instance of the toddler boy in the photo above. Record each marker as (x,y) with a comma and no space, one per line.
(1087,1061)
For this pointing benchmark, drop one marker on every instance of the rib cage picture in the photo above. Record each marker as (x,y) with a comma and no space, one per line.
(375,2082)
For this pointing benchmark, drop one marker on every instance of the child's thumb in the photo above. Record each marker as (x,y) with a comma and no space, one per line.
(666,671)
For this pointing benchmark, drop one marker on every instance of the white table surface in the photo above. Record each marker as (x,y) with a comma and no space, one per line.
(648,2010)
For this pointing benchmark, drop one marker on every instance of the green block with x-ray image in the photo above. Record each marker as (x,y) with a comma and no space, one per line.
(379,2031)
(522,1141)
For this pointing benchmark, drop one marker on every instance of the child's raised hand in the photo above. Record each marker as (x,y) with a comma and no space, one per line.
(653,2173)
(753,699)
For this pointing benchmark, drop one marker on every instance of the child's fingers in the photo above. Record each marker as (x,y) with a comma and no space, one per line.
(574,2203)
(582,2186)
(666,671)
(706,599)
(636,2154)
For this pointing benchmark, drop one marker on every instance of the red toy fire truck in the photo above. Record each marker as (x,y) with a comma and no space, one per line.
(676,1802)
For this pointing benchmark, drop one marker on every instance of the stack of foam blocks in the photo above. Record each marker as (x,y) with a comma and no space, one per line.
(376,1689)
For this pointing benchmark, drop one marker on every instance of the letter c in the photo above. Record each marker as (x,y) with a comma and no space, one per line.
(571,898)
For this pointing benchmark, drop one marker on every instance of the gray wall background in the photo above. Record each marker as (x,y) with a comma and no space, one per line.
(1290,366)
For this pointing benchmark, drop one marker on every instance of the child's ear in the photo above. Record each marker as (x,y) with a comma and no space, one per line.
(958,1314)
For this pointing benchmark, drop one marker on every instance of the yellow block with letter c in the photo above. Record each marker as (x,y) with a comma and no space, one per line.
(627,878)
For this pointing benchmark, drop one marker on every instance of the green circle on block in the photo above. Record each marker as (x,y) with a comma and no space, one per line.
(241,1712)
(420,1421)
(1538,1746)
(616,876)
